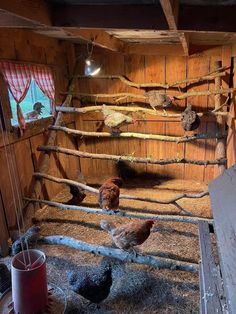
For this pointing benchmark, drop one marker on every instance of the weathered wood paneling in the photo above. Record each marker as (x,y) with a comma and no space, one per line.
(151,69)
(26,46)
(155,71)
(196,67)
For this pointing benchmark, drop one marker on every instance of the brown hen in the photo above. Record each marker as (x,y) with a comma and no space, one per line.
(114,120)
(129,235)
(109,193)
(156,99)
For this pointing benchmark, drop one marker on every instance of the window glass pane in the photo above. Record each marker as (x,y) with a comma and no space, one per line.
(34,95)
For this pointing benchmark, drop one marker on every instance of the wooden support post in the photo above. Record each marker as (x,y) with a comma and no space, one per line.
(220,151)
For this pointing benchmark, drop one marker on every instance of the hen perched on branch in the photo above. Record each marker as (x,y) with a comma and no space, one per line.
(31,236)
(129,235)
(189,119)
(109,193)
(156,99)
(92,282)
(114,120)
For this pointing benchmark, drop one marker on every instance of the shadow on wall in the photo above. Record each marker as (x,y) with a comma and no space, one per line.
(126,172)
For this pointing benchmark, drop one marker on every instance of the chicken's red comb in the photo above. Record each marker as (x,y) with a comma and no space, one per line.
(150,221)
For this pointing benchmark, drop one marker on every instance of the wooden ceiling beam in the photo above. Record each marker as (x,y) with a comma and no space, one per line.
(36,11)
(149,49)
(11,21)
(171,11)
(110,16)
(184,39)
(98,37)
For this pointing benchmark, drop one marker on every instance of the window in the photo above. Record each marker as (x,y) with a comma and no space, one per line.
(31,91)
(33,96)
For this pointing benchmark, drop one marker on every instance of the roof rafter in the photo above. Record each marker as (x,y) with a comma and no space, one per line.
(171,11)
(36,11)
(98,37)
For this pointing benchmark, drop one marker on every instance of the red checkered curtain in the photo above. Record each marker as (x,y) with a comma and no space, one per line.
(44,78)
(18,80)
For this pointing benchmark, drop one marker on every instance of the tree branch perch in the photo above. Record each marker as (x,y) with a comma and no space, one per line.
(176,218)
(165,138)
(133,109)
(126,81)
(77,153)
(138,96)
(160,263)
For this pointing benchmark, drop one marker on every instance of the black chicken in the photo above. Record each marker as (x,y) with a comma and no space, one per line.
(31,236)
(92,282)
(189,119)
(77,196)
(5,278)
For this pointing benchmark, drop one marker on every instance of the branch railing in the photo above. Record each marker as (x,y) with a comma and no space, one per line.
(159,263)
(175,218)
(144,136)
(130,158)
(84,187)
(134,109)
(208,77)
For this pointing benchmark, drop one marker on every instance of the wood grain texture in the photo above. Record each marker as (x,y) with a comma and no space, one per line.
(134,69)
(155,72)
(176,69)
(148,69)
(223,198)
(26,46)
(211,301)
(197,66)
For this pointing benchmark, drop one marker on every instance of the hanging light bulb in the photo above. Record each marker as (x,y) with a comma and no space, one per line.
(91,68)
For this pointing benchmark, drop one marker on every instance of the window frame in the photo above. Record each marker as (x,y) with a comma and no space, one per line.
(32,127)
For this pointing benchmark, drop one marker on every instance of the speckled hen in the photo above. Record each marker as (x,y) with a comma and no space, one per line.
(114,119)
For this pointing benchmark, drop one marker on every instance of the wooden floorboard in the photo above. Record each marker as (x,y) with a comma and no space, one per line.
(223,197)
(211,294)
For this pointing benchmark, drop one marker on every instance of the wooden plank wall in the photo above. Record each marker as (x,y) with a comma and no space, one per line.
(148,68)
(26,46)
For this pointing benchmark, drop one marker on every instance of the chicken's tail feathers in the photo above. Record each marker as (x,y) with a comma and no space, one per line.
(106,225)
(106,111)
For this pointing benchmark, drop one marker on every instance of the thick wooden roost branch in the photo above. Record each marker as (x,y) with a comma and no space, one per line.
(176,218)
(133,109)
(88,188)
(188,81)
(172,201)
(131,158)
(160,263)
(137,96)
(163,138)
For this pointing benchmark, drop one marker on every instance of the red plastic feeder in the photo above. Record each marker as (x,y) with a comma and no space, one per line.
(29,282)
